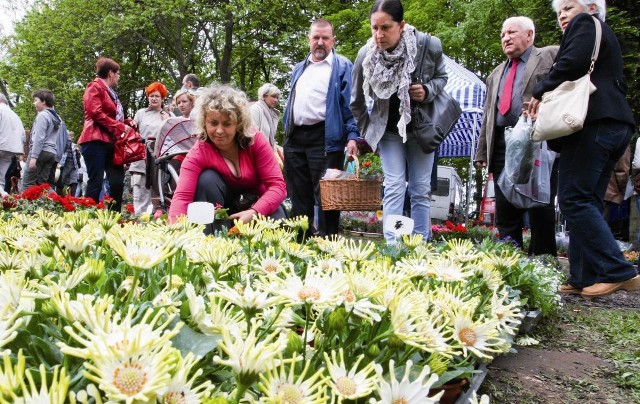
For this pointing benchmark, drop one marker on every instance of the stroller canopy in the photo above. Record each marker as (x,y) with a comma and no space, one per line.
(176,137)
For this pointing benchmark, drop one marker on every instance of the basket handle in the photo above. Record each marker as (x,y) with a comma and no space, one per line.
(355,160)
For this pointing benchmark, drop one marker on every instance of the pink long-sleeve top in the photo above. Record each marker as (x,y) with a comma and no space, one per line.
(259,174)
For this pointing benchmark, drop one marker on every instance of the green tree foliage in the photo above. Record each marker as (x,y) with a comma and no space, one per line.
(245,42)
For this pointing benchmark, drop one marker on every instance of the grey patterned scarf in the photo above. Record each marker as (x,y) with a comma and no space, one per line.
(386,73)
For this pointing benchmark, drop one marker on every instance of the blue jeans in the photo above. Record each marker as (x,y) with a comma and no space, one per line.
(98,157)
(398,158)
(586,162)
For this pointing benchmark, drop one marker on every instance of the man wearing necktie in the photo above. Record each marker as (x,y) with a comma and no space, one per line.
(507,86)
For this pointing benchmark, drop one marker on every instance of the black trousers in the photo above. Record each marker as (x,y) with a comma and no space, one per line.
(305,162)
(509,219)
(212,188)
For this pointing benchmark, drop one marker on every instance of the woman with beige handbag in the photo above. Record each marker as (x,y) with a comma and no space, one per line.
(597,266)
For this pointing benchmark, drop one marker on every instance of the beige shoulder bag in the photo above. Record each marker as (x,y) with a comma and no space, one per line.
(562,111)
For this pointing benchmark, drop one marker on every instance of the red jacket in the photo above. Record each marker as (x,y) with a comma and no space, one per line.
(99,115)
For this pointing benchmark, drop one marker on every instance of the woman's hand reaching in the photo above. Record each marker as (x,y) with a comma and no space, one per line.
(245,216)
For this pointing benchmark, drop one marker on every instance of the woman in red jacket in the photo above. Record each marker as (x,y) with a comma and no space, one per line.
(103,122)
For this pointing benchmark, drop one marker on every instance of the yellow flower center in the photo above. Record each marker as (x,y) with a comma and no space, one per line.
(467,336)
(175,397)
(271,267)
(309,292)
(346,386)
(400,400)
(130,378)
(349,296)
(290,394)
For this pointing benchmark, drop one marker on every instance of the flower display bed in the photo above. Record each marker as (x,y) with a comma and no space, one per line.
(94,309)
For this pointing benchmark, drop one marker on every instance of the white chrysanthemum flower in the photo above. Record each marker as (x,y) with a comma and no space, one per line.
(56,393)
(76,241)
(412,240)
(11,375)
(414,267)
(477,337)
(296,250)
(297,223)
(332,246)
(507,312)
(181,388)
(14,299)
(272,264)
(286,317)
(217,318)
(317,289)
(349,384)
(121,338)
(252,230)
(367,283)
(361,307)
(328,265)
(491,276)
(275,236)
(450,298)
(462,251)
(424,250)
(246,297)
(505,259)
(267,222)
(25,242)
(107,219)
(406,391)
(414,325)
(527,341)
(448,270)
(11,260)
(135,378)
(249,356)
(139,250)
(281,386)
(357,251)
(94,313)
(213,252)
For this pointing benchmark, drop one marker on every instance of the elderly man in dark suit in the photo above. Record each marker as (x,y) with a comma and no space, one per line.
(508,86)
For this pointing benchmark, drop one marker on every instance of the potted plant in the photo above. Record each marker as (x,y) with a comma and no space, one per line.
(221,220)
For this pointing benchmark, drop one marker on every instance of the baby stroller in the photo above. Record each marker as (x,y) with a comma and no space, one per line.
(164,156)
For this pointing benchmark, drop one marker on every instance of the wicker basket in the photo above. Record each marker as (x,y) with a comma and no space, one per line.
(351,193)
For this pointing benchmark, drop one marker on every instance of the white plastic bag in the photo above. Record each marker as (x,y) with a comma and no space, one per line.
(519,150)
(526,178)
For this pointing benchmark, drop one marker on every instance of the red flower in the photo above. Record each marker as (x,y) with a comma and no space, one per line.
(129,207)
(36,191)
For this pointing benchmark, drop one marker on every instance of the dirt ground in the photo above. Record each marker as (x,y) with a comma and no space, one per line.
(565,367)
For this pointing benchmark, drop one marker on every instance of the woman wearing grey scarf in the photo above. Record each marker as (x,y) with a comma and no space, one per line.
(383,94)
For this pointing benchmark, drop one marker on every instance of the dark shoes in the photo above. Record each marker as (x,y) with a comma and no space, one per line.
(605,289)
(569,290)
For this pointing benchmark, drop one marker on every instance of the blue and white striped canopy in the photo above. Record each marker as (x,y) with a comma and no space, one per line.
(470,92)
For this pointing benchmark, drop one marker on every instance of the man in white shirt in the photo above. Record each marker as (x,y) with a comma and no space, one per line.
(11,139)
(318,125)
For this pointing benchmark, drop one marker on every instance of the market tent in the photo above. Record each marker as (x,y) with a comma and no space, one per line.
(470,92)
